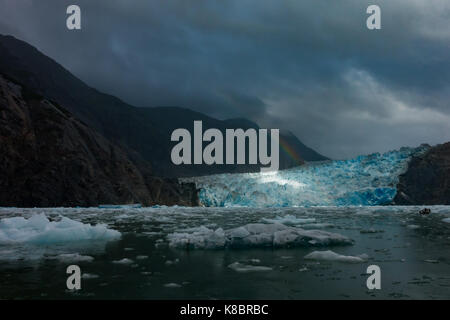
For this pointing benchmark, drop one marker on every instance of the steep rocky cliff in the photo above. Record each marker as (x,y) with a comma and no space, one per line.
(50,158)
(143,131)
(427,180)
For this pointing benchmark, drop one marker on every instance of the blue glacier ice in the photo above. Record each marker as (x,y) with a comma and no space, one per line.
(362,181)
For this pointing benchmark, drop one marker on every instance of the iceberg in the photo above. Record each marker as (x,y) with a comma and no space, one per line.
(40,230)
(363,181)
(254,235)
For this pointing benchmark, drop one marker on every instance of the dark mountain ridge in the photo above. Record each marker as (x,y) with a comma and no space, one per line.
(143,132)
(49,158)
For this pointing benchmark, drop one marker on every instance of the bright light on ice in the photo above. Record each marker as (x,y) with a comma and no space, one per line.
(274,177)
(363,181)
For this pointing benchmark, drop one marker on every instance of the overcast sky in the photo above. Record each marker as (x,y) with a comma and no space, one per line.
(308,66)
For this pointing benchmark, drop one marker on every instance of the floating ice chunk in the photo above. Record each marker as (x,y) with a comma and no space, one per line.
(39,229)
(123,261)
(201,237)
(412,226)
(74,257)
(446,220)
(431,261)
(240,232)
(289,220)
(171,262)
(141,257)
(254,235)
(239,267)
(333,256)
(303,269)
(172,285)
(89,276)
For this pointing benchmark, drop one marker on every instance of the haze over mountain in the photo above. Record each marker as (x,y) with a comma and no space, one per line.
(143,132)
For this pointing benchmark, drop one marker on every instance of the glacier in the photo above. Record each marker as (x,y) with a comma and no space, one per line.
(367,180)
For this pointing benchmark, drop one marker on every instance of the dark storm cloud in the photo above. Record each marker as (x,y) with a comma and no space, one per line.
(308,66)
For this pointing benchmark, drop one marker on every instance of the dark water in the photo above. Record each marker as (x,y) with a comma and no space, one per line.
(412,251)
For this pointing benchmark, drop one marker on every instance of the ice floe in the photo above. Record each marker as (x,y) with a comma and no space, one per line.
(73,257)
(254,235)
(431,261)
(172,285)
(333,256)
(39,229)
(289,220)
(172,262)
(123,261)
(240,267)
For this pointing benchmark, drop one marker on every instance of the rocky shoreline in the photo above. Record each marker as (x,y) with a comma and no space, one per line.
(427,180)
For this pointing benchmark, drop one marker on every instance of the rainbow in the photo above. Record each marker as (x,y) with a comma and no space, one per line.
(290,151)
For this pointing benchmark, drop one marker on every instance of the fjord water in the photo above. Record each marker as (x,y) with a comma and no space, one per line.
(144,262)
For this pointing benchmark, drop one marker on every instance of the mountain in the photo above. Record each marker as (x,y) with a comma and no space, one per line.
(144,133)
(49,158)
(427,180)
